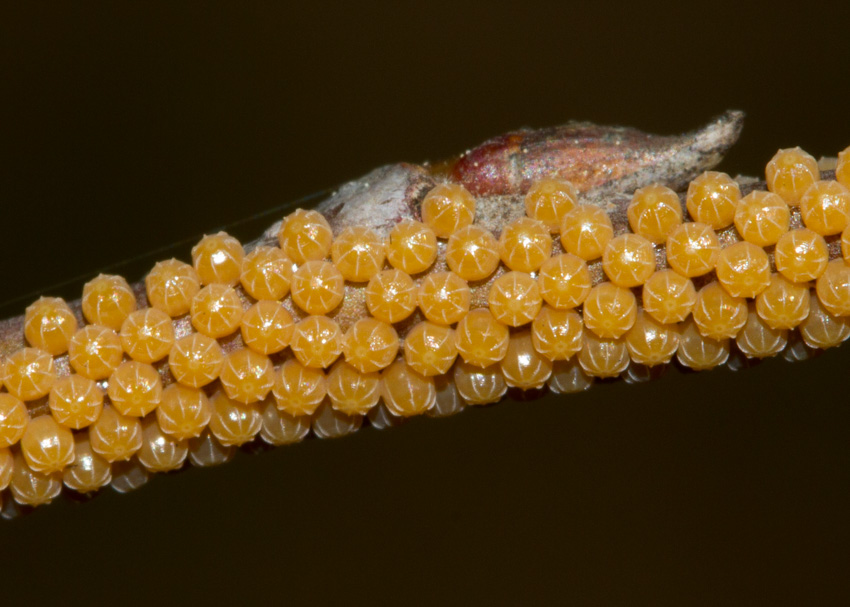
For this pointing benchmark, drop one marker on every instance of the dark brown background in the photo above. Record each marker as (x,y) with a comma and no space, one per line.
(127,127)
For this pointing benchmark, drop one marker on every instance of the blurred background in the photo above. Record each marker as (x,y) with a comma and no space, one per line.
(128,127)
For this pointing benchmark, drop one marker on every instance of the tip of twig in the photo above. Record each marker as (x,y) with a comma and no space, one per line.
(720,134)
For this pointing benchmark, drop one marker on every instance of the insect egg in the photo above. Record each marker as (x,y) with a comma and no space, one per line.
(358,252)
(30,487)
(713,199)
(759,340)
(668,296)
(833,288)
(481,340)
(743,269)
(14,418)
(114,436)
(298,389)
(429,349)
(351,391)
(479,385)
(108,300)
(247,376)
(405,392)
(216,311)
(717,313)
(159,452)
(317,287)
(195,360)
(49,324)
(305,236)
(391,296)
(308,333)
(609,310)
(548,200)
(233,423)
(557,334)
(654,212)
(825,207)
(266,273)
(412,247)
(267,327)
(628,260)
(171,285)
(47,446)
(448,208)
(523,367)
(472,253)
(218,259)
(783,304)
(135,389)
(206,451)
(650,342)
(370,345)
(801,255)
(790,173)
(515,299)
(89,471)
(564,281)
(842,169)
(762,217)
(183,412)
(525,244)
(692,249)
(147,335)
(75,401)
(700,352)
(29,373)
(444,297)
(317,341)
(281,428)
(585,231)
(603,356)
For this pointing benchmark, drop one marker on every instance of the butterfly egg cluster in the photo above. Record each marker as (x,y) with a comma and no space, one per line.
(112,391)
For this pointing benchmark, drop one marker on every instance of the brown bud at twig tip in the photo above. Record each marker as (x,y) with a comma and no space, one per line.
(613,159)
